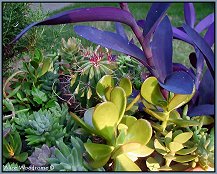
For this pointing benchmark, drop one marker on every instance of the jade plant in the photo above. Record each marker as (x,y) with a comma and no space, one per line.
(126,137)
(12,147)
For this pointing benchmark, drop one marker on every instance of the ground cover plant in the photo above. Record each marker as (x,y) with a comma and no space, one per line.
(123,105)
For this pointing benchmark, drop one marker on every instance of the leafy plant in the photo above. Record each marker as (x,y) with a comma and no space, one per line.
(12,146)
(31,89)
(40,156)
(69,158)
(126,137)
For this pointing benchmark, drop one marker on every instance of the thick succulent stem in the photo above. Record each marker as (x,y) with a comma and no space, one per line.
(135,100)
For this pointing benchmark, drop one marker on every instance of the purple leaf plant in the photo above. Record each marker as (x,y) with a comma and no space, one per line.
(155,35)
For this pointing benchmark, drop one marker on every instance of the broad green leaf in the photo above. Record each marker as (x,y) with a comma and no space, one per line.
(207,120)
(152,164)
(184,159)
(108,93)
(39,96)
(150,91)
(126,84)
(160,148)
(139,132)
(183,137)
(186,151)
(175,146)
(118,97)
(122,134)
(21,157)
(174,114)
(105,82)
(123,163)
(142,151)
(125,148)
(185,123)
(179,100)
(45,67)
(99,163)
(128,120)
(88,116)
(105,114)
(98,151)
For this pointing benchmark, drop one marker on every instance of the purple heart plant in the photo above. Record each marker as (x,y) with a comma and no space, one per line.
(155,35)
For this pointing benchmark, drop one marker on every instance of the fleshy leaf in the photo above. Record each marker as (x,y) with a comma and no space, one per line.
(128,120)
(184,159)
(207,120)
(105,117)
(190,17)
(155,14)
(186,151)
(84,15)
(203,46)
(159,147)
(123,163)
(183,137)
(110,40)
(205,23)
(103,84)
(185,123)
(175,146)
(178,83)
(150,91)
(126,84)
(139,132)
(205,109)
(118,97)
(179,100)
(162,49)
(98,151)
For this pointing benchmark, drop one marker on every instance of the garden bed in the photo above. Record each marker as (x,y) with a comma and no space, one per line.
(120,105)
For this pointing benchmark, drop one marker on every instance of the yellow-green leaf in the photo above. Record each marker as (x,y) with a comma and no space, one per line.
(186,151)
(184,159)
(175,146)
(123,163)
(104,83)
(126,84)
(183,137)
(128,120)
(150,91)
(152,164)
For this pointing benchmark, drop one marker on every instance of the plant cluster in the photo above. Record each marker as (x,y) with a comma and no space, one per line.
(174,128)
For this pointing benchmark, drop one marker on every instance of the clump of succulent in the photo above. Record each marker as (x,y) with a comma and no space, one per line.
(69,157)
(31,88)
(126,137)
(9,167)
(130,68)
(88,71)
(173,147)
(12,147)
(40,156)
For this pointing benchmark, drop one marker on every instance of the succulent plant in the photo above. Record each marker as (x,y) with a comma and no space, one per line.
(12,146)
(40,155)
(44,128)
(126,137)
(11,167)
(92,66)
(69,158)
(126,68)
